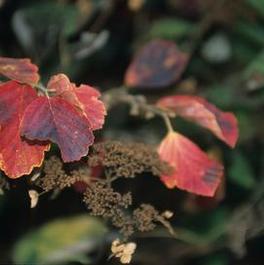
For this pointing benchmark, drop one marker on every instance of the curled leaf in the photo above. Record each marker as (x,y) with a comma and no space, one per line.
(84,98)
(124,251)
(159,64)
(193,170)
(200,111)
(57,120)
(21,70)
(18,156)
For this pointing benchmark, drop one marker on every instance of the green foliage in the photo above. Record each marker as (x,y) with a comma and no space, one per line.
(40,26)
(246,125)
(252,32)
(59,241)
(171,28)
(206,228)
(227,95)
(258,5)
(241,172)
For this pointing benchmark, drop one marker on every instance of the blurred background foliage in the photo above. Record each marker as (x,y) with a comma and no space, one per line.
(93,41)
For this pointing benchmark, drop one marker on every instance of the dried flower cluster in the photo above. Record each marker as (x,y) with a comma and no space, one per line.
(117,160)
(55,176)
(127,160)
(103,201)
(146,216)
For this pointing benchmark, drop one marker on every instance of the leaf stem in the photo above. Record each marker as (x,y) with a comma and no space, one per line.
(137,102)
(42,89)
(167,122)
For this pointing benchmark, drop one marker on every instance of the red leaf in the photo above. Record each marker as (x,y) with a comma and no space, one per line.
(193,170)
(17,156)
(200,111)
(57,120)
(84,98)
(21,70)
(160,63)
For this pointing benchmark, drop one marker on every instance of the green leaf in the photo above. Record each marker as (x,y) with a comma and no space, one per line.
(62,240)
(240,171)
(170,28)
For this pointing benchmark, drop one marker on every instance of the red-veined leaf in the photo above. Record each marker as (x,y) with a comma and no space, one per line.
(84,98)
(159,64)
(57,120)
(18,156)
(200,111)
(193,170)
(21,70)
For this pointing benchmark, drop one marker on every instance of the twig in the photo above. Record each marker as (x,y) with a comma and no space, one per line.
(138,104)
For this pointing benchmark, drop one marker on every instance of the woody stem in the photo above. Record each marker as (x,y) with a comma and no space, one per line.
(167,122)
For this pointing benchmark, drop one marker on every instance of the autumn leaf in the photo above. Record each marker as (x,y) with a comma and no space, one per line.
(159,64)
(21,70)
(193,170)
(200,111)
(18,156)
(57,120)
(84,98)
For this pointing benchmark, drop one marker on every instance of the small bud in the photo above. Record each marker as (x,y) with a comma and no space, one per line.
(34,196)
(35,176)
(167,214)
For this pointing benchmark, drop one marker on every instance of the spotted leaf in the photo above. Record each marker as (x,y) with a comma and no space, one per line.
(200,111)
(158,64)
(193,170)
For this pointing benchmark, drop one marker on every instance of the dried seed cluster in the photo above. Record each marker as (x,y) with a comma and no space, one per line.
(103,201)
(127,160)
(145,216)
(118,160)
(55,176)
